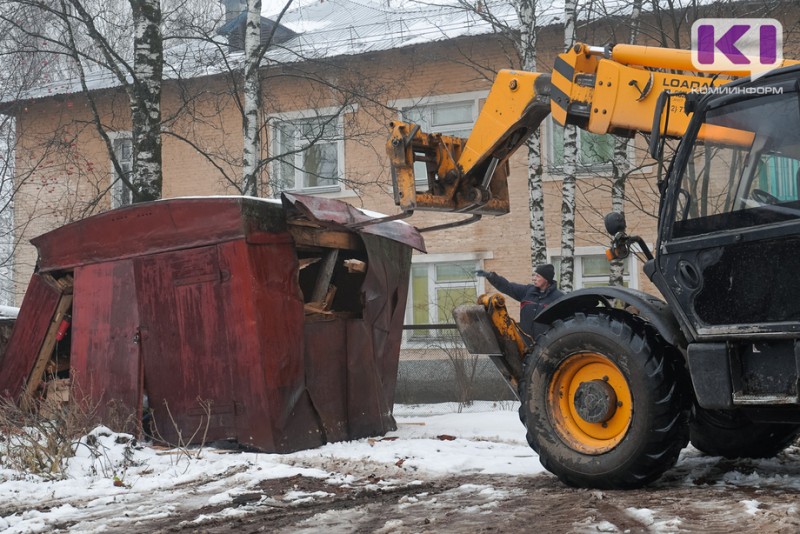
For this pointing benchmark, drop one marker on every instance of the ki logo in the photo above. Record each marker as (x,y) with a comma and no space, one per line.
(737,46)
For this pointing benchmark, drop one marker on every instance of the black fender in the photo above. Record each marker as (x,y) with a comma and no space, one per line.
(652,309)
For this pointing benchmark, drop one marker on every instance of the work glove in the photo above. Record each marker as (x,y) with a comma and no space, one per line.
(481,272)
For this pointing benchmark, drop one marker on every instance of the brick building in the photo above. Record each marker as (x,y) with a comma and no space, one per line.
(341,71)
(341,83)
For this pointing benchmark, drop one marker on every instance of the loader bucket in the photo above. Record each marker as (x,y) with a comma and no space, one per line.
(478,326)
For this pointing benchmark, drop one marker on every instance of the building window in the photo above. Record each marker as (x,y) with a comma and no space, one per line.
(310,154)
(593,150)
(593,270)
(437,288)
(123,152)
(450,118)
(450,115)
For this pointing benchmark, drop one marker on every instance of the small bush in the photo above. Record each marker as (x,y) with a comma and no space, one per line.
(40,434)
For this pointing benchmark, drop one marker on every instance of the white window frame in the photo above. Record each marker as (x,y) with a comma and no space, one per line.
(474,97)
(401,105)
(120,195)
(432,260)
(578,283)
(335,190)
(580,168)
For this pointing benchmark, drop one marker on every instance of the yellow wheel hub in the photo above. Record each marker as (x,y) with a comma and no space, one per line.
(590,403)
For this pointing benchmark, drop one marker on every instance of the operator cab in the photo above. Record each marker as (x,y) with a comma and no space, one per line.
(730,226)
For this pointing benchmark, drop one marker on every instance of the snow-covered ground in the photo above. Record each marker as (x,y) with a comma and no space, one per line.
(151,483)
(129,486)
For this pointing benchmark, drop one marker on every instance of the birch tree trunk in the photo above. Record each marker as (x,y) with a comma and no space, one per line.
(251,155)
(568,185)
(526,47)
(619,170)
(145,98)
(536,201)
(620,165)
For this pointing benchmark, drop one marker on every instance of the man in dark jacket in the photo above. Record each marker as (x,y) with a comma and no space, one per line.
(533,298)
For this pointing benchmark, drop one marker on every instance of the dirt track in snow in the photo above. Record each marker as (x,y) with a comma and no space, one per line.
(713,496)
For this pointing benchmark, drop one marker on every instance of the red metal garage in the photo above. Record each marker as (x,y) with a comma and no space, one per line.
(283,319)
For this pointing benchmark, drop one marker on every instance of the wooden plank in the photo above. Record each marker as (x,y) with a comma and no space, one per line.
(305,262)
(46,351)
(31,326)
(321,306)
(355,266)
(325,275)
(315,307)
(327,302)
(65,283)
(323,237)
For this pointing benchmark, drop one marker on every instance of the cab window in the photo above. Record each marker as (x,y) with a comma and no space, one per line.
(743,170)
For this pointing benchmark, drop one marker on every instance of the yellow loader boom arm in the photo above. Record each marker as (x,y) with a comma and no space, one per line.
(599,89)
(469,175)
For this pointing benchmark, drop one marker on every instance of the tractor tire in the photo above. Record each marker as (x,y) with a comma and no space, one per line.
(602,404)
(732,435)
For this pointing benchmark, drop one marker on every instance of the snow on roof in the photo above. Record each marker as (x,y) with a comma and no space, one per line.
(348,27)
(327,29)
(330,28)
(8,312)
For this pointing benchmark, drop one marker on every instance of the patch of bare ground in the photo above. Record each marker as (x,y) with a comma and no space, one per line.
(495,504)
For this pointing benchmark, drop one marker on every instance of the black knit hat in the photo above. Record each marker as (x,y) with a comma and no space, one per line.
(546,271)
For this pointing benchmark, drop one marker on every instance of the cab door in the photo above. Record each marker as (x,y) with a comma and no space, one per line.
(729,253)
